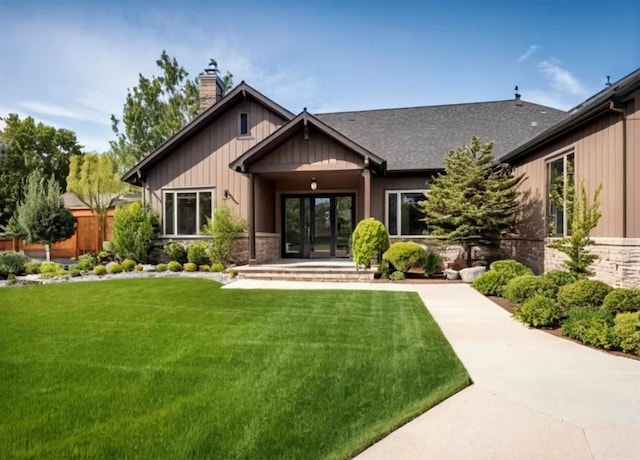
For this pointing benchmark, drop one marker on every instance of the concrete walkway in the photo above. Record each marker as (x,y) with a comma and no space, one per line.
(534,396)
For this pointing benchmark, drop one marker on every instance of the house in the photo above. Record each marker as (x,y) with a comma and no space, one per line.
(303,181)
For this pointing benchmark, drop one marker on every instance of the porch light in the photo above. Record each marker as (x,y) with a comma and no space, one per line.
(314,184)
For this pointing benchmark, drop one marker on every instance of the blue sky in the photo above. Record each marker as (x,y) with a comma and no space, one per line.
(69,63)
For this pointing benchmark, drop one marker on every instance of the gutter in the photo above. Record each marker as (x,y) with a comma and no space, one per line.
(623,114)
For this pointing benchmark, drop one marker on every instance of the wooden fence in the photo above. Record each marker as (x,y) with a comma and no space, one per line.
(86,238)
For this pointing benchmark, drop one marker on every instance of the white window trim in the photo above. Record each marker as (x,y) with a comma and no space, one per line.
(399,214)
(565,220)
(175,214)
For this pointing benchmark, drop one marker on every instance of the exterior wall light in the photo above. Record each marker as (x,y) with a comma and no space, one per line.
(314,184)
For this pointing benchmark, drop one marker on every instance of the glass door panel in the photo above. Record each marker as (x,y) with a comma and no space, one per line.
(321,232)
(344,225)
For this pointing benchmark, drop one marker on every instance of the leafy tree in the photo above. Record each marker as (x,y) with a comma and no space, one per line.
(475,201)
(42,217)
(26,146)
(95,180)
(133,232)
(155,110)
(584,218)
(224,228)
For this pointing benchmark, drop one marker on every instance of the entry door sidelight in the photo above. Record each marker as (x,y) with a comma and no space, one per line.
(296,213)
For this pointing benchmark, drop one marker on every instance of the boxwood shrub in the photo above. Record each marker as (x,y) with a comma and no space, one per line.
(75,271)
(623,300)
(523,287)
(560,277)
(32,268)
(190,267)
(114,267)
(369,238)
(204,268)
(174,266)
(161,267)
(592,326)
(12,264)
(492,282)
(217,267)
(176,252)
(626,332)
(511,266)
(51,270)
(99,270)
(403,256)
(539,311)
(583,293)
(128,265)
(397,276)
(87,261)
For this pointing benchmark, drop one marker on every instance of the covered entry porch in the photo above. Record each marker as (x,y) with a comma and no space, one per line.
(308,187)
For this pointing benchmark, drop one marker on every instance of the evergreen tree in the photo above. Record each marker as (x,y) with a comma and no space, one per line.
(41,217)
(584,218)
(475,201)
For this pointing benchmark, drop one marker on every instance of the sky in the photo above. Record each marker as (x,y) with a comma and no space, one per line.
(69,63)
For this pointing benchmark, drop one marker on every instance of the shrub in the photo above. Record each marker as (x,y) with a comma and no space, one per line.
(623,300)
(560,277)
(174,266)
(397,276)
(583,293)
(51,270)
(626,332)
(511,266)
(99,270)
(539,311)
(432,263)
(520,288)
(133,231)
(493,282)
(86,262)
(232,272)
(74,271)
(190,267)
(224,228)
(32,268)
(12,263)
(139,268)
(593,326)
(161,267)
(404,255)
(369,238)
(128,265)
(114,267)
(204,268)
(176,252)
(197,253)
(217,267)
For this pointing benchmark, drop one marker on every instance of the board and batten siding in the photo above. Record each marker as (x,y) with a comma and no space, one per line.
(597,147)
(203,161)
(633,166)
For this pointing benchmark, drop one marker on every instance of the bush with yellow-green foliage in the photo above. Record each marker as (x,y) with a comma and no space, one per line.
(369,238)
(190,267)
(626,332)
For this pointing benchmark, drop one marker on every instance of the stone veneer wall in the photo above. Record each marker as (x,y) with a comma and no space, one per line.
(530,252)
(618,263)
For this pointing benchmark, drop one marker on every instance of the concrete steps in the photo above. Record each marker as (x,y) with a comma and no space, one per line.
(339,273)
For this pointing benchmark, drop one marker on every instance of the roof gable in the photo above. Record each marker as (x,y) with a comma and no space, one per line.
(240,93)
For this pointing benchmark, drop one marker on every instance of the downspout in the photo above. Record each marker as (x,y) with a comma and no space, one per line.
(623,114)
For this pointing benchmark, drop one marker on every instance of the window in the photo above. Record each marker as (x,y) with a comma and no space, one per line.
(403,215)
(244,124)
(186,211)
(560,193)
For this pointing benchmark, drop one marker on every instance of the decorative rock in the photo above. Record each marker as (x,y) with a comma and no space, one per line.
(469,275)
(148,268)
(451,274)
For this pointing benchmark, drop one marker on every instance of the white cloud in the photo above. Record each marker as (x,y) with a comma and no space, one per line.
(532,49)
(560,78)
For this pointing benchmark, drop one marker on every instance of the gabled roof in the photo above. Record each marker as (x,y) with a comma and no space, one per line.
(582,113)
(420,137)
(239,93)
(287,131)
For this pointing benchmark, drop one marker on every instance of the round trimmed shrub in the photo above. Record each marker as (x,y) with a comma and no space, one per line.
(87,261)
(204,268)
(592,326)
(161,267)
(539,311)
(403,256)
(99,270)
(583,293)
(520,288)
(139,268)
(128,265)
(492,282)
(232,272)
(190,267)
(560,277)
(217,267)
(622,300)
(176,252)
(197,253)
(369,238)
(51,270)
(32,268)
(74,271)
(174,266)
(11,264)
(114,267)
(511,266)
(397,276)
(626,332)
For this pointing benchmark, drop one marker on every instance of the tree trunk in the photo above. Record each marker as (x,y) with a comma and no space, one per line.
(468,250)
(47,252)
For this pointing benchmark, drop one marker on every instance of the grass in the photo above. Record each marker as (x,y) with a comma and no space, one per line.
(177,368)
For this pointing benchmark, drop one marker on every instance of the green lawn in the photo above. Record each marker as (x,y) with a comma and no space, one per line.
(178,368)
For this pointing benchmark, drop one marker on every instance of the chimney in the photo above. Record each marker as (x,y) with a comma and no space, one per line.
(211,90)
(518,96)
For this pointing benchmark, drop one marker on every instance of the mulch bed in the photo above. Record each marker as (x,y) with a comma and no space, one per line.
(504,303)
